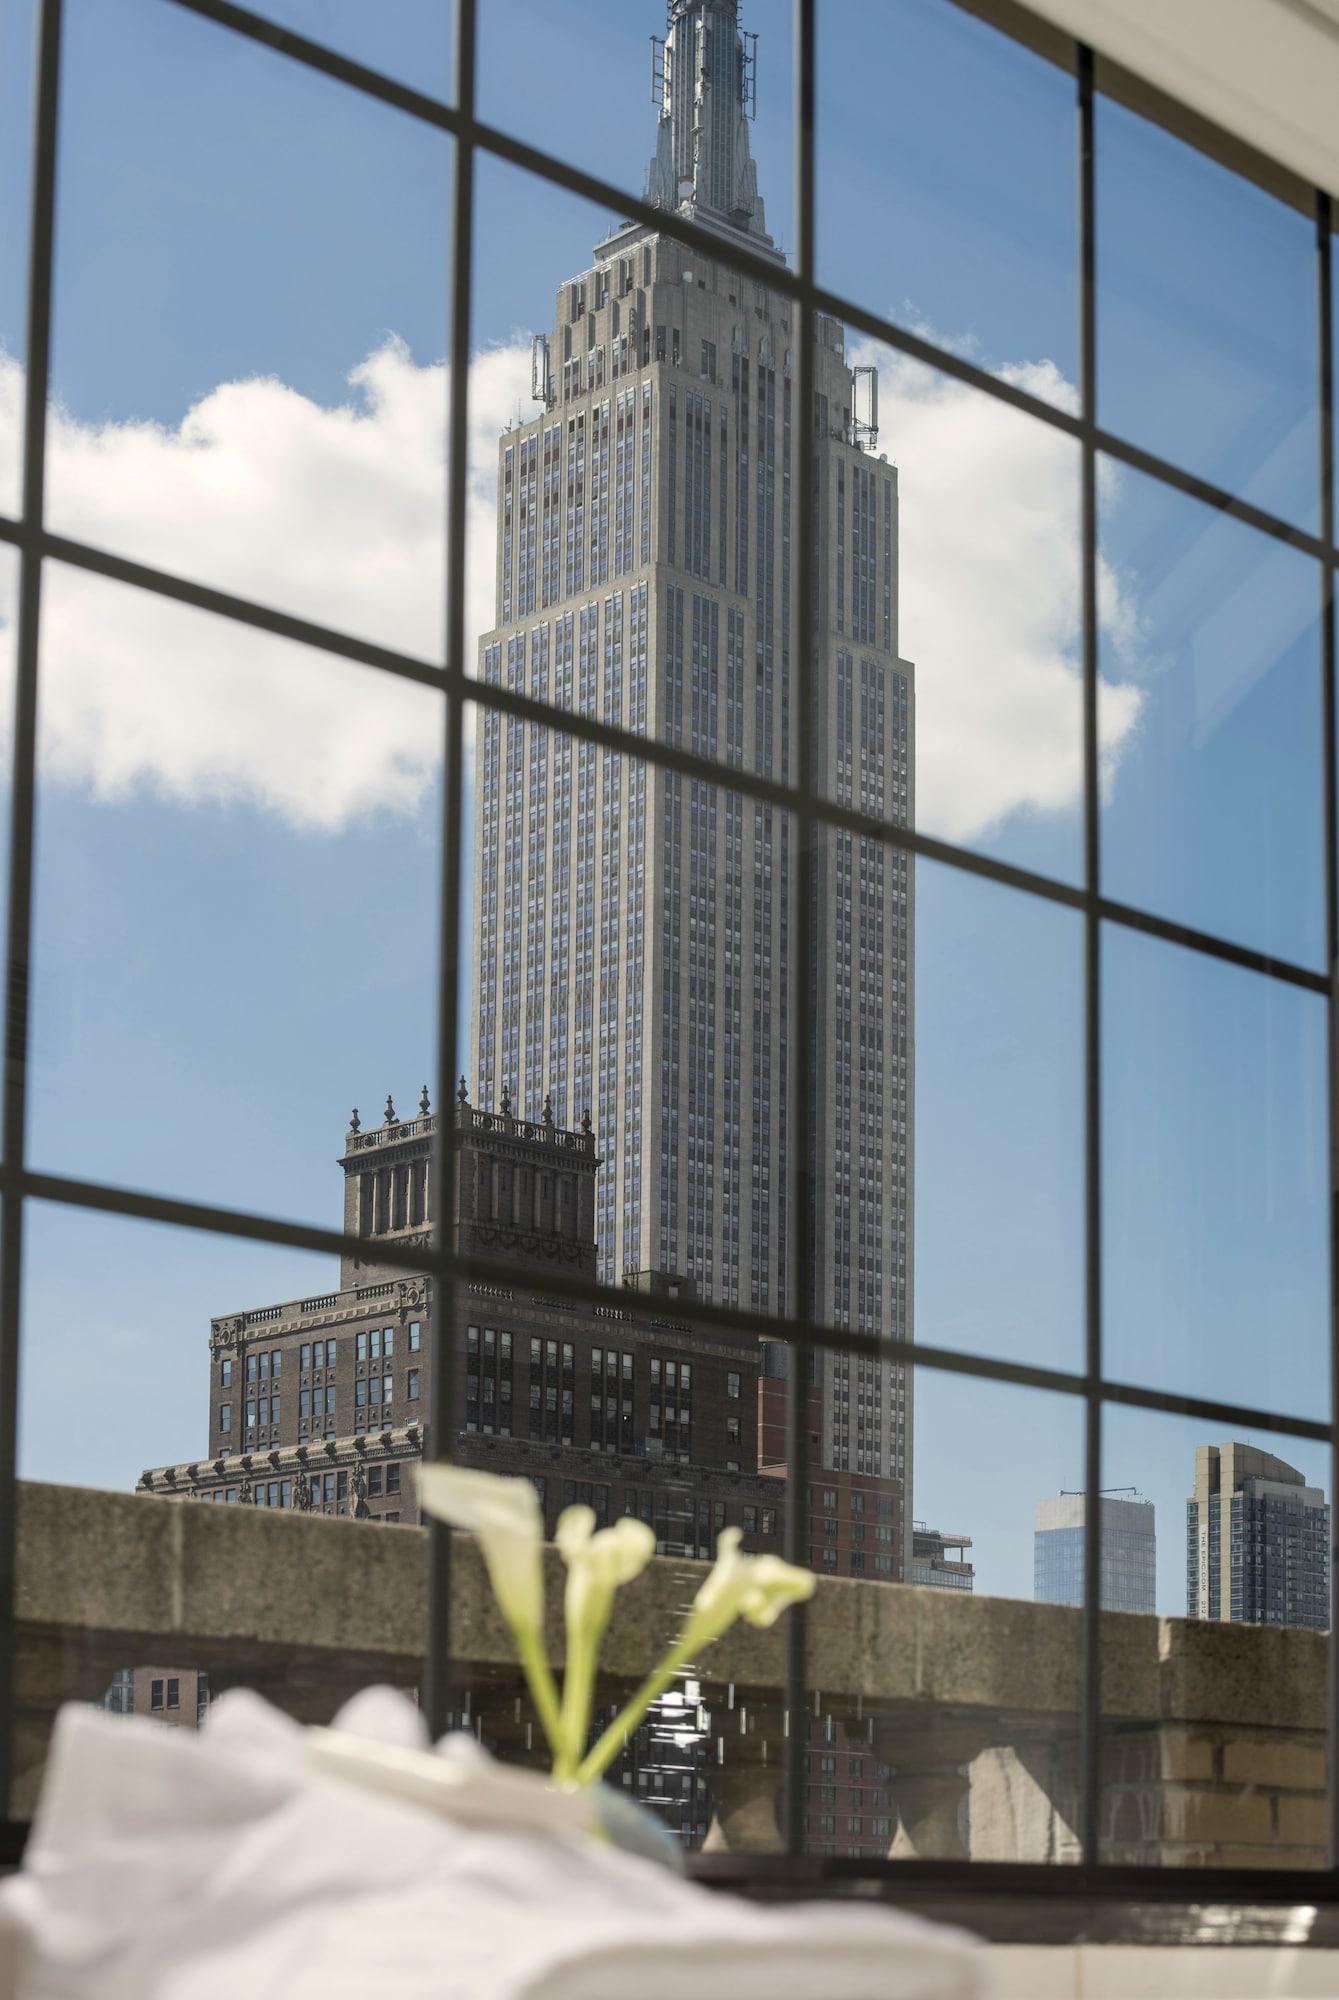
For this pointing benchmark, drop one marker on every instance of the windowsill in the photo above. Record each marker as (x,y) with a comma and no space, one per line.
(1062,1943)
(1075,1909)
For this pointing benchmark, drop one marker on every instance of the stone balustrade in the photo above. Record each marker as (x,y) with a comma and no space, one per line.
(1213,1742)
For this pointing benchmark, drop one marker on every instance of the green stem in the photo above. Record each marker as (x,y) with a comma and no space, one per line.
(583,1652)
(623,1724)
(543,1689)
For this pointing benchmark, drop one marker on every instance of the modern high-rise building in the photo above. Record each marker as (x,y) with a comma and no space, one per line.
(939,1561)
(1257,1540)
(633,929)
(1129,1552)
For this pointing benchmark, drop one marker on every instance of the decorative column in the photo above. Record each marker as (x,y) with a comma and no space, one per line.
(744,1794)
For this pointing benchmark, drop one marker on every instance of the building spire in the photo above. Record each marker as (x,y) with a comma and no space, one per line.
(703,77)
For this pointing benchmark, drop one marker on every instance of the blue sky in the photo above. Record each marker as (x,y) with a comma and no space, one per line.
(234,947)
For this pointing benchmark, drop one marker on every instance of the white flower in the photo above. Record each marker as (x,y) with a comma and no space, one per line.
(597,1563)
(600,1561)
(504,1514)
(758,1588)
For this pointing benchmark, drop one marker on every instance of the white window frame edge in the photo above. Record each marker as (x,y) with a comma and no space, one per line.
(1266,71)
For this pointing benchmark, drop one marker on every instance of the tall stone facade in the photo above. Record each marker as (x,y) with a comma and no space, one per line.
(633,929)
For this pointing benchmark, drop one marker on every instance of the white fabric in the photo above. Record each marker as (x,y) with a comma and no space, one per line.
(166,1866)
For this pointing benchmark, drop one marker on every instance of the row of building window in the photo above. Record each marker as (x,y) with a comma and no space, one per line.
(328,1489)
(320,1401)
(267,1365)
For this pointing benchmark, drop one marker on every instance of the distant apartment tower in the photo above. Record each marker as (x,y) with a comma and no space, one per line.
(1257,1541)
(940,1560)
(1129,1552)
(634,929)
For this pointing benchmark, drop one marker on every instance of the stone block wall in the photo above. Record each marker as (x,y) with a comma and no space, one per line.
(1214,1744)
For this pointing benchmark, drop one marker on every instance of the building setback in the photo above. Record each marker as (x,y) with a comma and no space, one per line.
(934,1566)
(633,929)
(1257,1541)
(321,1403)
(1129,1553)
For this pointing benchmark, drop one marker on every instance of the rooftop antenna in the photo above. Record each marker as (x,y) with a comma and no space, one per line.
(865,408)
(541,380)
(748,75)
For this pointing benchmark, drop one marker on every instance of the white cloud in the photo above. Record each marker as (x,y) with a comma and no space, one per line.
(337,514)
(990,607)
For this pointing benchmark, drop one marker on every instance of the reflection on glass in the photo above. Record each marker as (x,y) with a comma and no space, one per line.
(1206,310)
(1213,802)
(235,917)
(1197,1767)
(644,1412)
(962,142)
(1003,1724)
(1215,1260)
(999,1121)
(16,69)
(248,339)
(961,555)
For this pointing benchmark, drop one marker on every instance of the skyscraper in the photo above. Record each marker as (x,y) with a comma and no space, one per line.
(633,929)
(1257,1540)
(1129,1553)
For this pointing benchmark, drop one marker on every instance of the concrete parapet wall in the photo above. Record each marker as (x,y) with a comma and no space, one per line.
(1213,1746)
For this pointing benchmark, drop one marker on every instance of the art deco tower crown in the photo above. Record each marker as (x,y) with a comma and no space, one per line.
(704,84)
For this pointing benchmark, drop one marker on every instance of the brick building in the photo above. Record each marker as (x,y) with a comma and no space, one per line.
(178,1696)
(633,1407)
(857,1521)
(321,1403)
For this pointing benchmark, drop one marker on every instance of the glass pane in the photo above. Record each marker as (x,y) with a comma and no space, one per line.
(141,1609)
(972,182)
(1214,802)
(950,691)
(402,38)
(9,605)
(674,103)
(1214,1733)
(632,961)
(635,533)
(637,1411)
(1206,306)
(16,72)
(662,455)
(248,337)
(1215,1259)
(979,1699)
(998,1082)
(236,901)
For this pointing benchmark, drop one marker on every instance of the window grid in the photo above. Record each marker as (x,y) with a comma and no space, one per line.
(35,544)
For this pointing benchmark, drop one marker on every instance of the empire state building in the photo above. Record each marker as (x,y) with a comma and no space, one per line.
(633,929)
